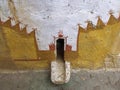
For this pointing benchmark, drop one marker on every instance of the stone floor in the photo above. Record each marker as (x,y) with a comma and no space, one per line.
(80,80)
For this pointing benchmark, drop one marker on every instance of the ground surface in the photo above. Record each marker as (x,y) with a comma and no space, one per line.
(80,80)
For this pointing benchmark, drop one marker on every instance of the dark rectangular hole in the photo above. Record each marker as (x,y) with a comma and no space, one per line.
(60,49)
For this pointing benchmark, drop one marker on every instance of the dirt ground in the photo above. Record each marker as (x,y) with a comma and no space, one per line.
(80,80)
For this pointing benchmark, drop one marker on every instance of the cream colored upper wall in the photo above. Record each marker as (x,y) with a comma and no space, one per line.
(50,16)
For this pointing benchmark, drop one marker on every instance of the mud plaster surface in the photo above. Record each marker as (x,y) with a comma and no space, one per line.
(80,80)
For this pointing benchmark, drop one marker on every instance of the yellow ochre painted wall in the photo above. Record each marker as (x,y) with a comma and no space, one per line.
(20,44)
(94,45)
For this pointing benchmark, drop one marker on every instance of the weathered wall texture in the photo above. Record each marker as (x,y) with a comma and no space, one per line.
(50,16)
(94,44)
(19,42)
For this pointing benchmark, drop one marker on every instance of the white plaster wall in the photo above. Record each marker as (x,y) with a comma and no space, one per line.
(50,16)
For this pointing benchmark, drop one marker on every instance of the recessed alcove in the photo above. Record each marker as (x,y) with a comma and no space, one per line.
(60,49)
